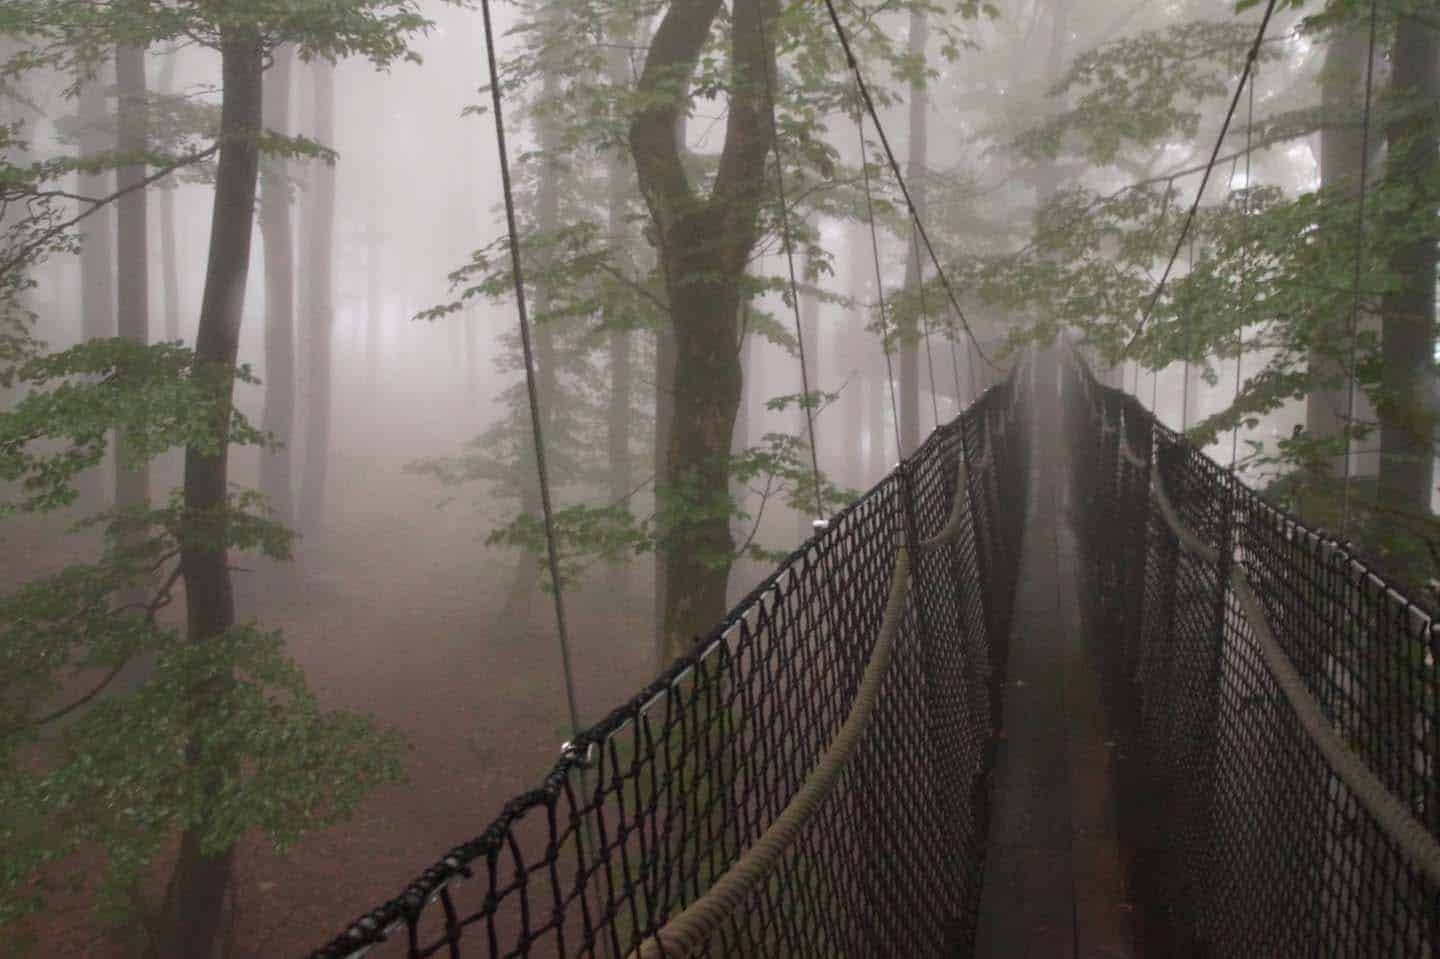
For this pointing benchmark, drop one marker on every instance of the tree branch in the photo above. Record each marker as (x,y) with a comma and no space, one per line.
(28,249)
(664,86)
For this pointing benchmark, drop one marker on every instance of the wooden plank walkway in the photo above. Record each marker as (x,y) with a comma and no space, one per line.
(1054,883)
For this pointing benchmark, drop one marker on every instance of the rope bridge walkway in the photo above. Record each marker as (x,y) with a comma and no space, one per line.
(816,778)
(1278,700)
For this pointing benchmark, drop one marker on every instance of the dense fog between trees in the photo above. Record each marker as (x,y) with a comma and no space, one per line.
(387,589)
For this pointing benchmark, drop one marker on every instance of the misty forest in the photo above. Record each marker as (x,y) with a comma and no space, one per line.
(277,605)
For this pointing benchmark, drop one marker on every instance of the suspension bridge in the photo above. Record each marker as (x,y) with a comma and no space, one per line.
(1058,685)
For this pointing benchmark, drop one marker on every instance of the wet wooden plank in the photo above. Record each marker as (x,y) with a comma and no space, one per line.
(1054,874)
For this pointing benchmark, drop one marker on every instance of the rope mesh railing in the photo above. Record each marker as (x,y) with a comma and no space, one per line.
(1276,707)
(693,773)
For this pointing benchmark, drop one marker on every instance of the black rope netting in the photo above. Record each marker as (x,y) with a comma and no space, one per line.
(690,773)
(1246,841)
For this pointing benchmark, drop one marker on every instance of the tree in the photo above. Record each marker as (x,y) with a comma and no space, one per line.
(1407,311)
(1251,288)
(225,736)
(97,246)
(276,471)
(132,234)
(915,173)
(169,255)
(317,306)
(1342,84)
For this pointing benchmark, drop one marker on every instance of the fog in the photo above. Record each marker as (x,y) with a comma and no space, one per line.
(395,605)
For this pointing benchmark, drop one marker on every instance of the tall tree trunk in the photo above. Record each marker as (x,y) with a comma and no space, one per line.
(1408,314)
(193,907)
(664,428)
(317,308)
(619,345)
(278,418)
(1342,84)
(169,262)
(877,405)
(849,351)
(704,246)
(915,173)
(97,249)
(132,287)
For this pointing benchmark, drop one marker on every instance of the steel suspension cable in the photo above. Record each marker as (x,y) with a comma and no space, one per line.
(1244,275)
(1355,279)
(536,426)
(900,178)
(1189,345)
(1250,59)
(794,286)
(584,838)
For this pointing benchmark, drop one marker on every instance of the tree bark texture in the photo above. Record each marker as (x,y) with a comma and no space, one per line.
(1408,314)
(704,245)
(278,417)
(193,908)
(317,308)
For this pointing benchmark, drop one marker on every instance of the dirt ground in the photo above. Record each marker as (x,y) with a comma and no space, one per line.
(393,612)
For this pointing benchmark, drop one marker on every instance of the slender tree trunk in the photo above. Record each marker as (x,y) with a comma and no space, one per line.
(850,342)
(132,237)
(317,307)
(915,173)
(132,286)
(169,256)
(97,250)
(278,418)
(194,902)
(619,346)
(1408,314)
(664,427)
(810,328)
(1342,84)
(882,453)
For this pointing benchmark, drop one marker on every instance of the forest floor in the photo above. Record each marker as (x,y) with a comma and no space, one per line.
(393,612)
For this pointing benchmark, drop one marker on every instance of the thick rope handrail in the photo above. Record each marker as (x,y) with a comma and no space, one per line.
(682,935)
(951,531)
(685,933)
(1393,817)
